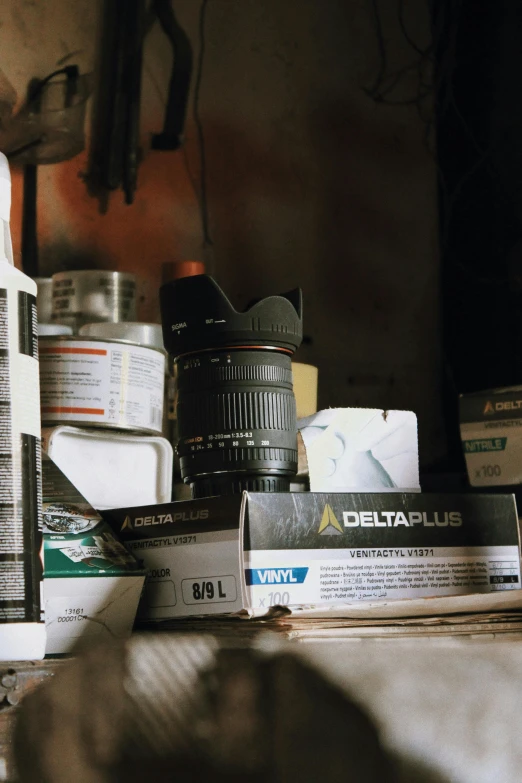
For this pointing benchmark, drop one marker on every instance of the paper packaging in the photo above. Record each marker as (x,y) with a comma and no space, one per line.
(92,584)
(324,552)
(491,432)
(361,450)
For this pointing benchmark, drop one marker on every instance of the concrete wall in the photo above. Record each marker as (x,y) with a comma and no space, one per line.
(310,181)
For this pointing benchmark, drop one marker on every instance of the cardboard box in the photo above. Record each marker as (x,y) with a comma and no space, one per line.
(92,584)
(491,432)
(322,551)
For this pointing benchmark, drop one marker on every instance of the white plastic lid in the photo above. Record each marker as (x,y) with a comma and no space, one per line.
(53,330)
(113,469)
(150,335)
(6,250)
(5,189)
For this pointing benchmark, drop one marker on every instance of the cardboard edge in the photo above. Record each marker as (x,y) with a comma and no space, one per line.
(241,538)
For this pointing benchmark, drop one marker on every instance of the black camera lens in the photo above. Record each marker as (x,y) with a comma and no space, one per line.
(236,407)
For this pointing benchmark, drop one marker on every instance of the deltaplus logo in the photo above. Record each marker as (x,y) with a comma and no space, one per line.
(330,526)
(401,518)
(506,405)
(163,519)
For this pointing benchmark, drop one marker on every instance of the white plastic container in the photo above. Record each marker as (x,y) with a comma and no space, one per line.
(112,469)
(102,383)
(22,631)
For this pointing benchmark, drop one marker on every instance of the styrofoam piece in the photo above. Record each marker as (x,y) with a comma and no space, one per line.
(112,469)
(150,335)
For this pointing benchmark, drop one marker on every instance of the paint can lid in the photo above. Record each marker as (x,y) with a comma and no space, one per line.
(53,330)
(150,335)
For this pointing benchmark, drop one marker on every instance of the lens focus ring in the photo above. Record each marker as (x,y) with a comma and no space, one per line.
(214,414)
(208,376)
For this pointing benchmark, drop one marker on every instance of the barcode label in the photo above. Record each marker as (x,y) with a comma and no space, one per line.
(155,417)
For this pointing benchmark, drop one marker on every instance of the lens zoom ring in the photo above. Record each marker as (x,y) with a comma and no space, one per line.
(237,411)
(267,373)
(264,454)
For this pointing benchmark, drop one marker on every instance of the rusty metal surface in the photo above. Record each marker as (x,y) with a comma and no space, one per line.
(17,679)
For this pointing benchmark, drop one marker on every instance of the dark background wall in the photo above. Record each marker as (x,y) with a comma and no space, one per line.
(318,127)
(479,70)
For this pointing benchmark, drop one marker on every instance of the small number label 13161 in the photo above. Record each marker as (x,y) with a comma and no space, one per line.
(209,590)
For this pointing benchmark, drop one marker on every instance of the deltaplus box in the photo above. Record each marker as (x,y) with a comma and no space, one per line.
(225,554)
(491,432)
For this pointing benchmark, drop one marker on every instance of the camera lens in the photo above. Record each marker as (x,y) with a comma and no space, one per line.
(236,407)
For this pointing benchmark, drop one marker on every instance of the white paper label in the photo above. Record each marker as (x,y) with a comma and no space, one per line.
(493,452)
(75,617)
(103,383)
(304,577)
(176,584)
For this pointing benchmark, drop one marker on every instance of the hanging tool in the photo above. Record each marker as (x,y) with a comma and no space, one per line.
(30,261)
(171,138)
(114,155)
(135,13)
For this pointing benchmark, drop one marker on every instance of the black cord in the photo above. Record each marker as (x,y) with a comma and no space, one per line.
(207,238)
(385,83)
(400,14)
(372,91)
(199,191)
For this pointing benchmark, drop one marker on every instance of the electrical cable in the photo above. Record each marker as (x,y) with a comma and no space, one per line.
(371,91)
(207,238)
(400,15)
(385,82)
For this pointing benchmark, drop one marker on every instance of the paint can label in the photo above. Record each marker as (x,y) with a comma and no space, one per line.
(108,383)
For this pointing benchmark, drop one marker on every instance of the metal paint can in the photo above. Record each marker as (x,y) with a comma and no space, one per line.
(44,299)
(86,296)
(150,335)
(136,332)
(101,383)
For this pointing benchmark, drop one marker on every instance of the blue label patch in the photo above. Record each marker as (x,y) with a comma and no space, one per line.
(275,576)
